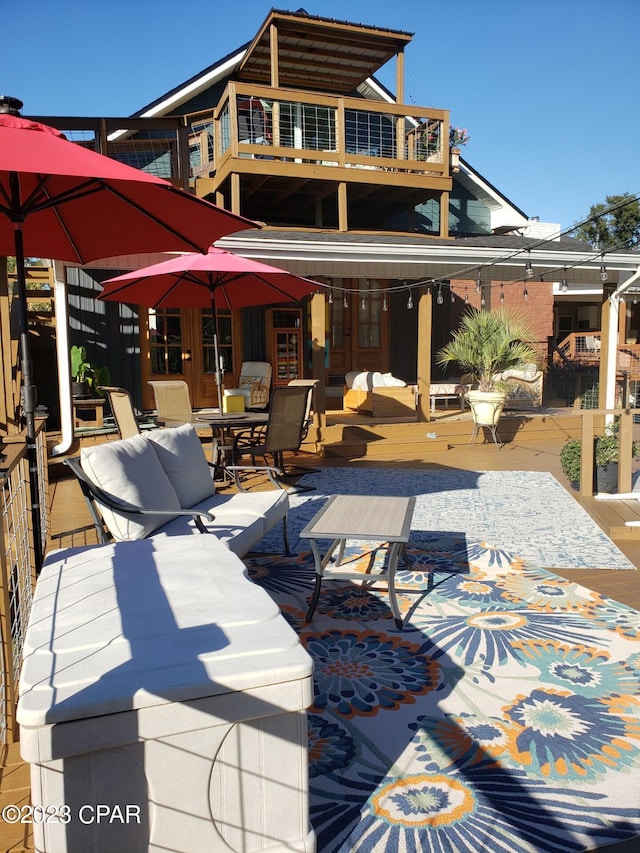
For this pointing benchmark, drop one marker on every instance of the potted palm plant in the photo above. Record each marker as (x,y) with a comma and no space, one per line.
(486,345)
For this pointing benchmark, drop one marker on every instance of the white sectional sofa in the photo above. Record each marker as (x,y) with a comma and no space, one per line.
(160,484)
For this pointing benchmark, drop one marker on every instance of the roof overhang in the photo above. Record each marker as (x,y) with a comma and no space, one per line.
(419,259)
(322,53)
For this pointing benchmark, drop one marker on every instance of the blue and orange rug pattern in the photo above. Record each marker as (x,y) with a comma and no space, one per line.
(504,717)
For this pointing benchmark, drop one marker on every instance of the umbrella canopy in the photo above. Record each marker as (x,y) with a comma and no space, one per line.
(193,281)
(76,205)
(218,279)
(60,200)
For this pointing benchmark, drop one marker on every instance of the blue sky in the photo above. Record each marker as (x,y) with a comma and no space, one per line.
(548,90)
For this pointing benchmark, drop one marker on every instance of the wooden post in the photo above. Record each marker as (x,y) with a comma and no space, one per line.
(318,356)
(343,219)
(425,322)
(273,44)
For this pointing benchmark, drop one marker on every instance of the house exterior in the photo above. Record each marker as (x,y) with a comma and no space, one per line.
(355,189)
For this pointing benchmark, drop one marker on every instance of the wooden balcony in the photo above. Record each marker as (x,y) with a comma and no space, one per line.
(260,145)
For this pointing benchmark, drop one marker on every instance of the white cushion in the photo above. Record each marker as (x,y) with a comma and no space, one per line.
(392,382)
(239,531)
(182,458)
(130,471)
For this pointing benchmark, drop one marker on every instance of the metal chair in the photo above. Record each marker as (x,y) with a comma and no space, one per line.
(122,410)
(284,431)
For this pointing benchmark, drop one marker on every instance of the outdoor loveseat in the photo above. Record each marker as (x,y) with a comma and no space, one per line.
(379,394)
(160,484)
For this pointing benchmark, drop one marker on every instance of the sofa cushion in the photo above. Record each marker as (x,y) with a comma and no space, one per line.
(130,471)
(239,531)
(182,458)
(271,505)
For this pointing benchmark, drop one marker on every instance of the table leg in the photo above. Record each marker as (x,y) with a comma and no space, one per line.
(320,563)
(394,553)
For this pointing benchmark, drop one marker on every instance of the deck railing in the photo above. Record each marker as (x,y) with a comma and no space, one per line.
(261,122)
(584,348)
(594,424)
(18,565)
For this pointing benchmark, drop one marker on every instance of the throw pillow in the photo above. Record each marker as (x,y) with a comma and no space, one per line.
(130,471)
(183,461)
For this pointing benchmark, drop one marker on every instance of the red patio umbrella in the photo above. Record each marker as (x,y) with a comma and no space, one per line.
(60,200)
(217,279)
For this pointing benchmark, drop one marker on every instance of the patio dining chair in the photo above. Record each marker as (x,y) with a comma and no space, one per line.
(122,410)
(284,431)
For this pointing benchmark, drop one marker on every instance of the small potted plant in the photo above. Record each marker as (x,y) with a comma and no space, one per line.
(85,376)
(606,454)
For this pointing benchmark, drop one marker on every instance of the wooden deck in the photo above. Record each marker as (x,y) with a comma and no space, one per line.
(532,449)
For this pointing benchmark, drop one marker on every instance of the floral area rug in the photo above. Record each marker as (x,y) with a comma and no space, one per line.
(525,512)
(504,717)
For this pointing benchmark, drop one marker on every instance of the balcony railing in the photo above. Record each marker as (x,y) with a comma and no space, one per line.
(260,122)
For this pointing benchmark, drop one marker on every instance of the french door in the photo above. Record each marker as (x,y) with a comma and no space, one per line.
(177,343)
(359,336)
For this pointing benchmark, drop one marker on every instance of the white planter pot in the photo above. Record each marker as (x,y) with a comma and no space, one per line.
(486,406)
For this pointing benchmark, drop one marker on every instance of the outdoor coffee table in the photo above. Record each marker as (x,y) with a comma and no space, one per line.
(373,518)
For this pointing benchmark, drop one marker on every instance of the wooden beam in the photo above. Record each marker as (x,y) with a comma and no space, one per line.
(343,218)
(400,77)
(423,364)
(273,45)
(318,355)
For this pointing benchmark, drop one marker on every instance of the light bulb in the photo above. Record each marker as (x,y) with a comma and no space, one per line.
(385,307)
(453,296)
(363,304)
(466,297)
(525,293)
(604,275)
(502,293)
(410,301)
(439,297)
(331,297)
(345,301)
(483,301)
(528,270)
(564,284)
(478,285)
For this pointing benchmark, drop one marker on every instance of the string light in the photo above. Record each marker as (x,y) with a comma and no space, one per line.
(330,296)
(528,271)
(525,294)
(345,301)
(483,301)
(363,304)
(385,307)
(564,284)
(478,286)
(604,275)
(501,292)
(453,296)
(439,297)
(410,301)
(466,296)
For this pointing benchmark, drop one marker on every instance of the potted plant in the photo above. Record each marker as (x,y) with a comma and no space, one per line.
(606,453)
(486,345)
(85,376)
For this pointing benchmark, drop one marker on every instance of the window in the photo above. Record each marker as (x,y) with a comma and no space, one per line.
(165,340)
(225,342)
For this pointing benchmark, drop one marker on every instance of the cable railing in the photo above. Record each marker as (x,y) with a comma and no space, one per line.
(318,129)
(17,565)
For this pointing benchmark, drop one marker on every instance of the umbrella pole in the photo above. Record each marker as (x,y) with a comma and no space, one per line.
(28,395)
(216,354)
